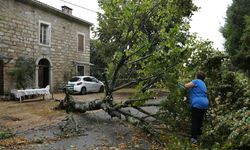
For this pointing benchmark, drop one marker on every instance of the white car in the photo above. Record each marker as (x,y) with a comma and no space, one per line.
(84,85)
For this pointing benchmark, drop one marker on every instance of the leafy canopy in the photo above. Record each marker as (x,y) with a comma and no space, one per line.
(146,37)
(150,38)
(237,34)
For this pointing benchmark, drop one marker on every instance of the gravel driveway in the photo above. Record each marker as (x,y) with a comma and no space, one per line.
(39,126)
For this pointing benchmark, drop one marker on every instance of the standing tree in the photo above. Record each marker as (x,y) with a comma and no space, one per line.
(237,34)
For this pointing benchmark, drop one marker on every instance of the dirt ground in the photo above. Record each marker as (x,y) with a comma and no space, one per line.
(36,125)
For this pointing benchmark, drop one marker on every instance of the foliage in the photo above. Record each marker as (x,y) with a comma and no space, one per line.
(236,32)
(99,57)
(5,134)
(226,126)
(245,39)
(23,72)
(176,105)
(147,42)
(229,113)
(176,111)
(227,120)
(59,87)
(150,38)
(144,35)
(178,143)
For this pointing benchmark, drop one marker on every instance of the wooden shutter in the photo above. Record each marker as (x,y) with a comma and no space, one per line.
(80,42)
(41,34)
(1,78)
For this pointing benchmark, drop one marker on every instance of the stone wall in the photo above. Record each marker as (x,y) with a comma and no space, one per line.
(19,37)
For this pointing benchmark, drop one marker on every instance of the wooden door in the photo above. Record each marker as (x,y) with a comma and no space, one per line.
(43,73)
(43,76)
(1,78)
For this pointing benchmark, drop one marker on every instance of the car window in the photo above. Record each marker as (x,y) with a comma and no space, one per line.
(87,79)
(74,79)
(95,80)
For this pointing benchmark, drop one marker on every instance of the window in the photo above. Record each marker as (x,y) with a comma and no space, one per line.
(95,80)
(74,79)
(44,36)
(81,42)
(80,70)
(88,79)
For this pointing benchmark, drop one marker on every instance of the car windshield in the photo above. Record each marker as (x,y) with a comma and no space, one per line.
(74,79)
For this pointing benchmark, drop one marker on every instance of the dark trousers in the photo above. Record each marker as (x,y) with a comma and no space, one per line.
(197,116)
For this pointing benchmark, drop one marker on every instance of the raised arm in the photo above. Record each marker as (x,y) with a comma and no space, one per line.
(189,85)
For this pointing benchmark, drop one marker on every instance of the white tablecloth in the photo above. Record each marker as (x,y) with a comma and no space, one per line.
(20,93)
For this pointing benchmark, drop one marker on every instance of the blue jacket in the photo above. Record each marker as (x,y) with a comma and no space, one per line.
(198,95)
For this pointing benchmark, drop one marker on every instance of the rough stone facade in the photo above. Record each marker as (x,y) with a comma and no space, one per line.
(20,29)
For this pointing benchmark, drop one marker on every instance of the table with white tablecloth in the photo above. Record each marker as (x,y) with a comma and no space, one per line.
(21,93)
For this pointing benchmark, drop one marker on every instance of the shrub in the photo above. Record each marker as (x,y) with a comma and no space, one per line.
(23,72)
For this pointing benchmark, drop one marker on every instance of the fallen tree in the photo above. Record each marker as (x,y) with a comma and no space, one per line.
(147,42)
(144,120)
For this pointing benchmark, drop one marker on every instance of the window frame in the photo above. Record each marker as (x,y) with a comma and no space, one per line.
(49,33)
(84,39)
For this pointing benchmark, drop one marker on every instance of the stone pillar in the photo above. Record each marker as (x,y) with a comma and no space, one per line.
(51,79)
(37,68)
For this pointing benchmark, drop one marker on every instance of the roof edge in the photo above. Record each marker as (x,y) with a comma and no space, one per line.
(54,10)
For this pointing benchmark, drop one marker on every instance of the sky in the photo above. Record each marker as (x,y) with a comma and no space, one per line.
(206,22)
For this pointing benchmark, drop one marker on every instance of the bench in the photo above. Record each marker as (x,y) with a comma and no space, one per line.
(21,93)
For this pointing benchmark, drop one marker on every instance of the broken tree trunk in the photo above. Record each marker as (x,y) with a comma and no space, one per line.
(115,110)
(70,105)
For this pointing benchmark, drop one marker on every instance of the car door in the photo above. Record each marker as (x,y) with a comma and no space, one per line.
(96,85)
(88,84)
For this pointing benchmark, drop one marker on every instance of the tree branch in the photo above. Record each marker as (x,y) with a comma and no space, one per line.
(143,111)
(142,58)
(150,104)
(125,85)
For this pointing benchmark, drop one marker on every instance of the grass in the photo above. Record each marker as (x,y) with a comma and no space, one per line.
(5,135)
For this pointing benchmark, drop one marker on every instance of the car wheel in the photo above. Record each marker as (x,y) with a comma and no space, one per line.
(101,89)
(83,91)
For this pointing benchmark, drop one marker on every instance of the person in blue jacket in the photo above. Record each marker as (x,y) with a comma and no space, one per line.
(199,104)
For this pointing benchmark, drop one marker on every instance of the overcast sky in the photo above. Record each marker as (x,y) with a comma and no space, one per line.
(206,22)
(209,19)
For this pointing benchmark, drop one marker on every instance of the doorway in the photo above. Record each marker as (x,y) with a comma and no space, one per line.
(1,78)
(43,73)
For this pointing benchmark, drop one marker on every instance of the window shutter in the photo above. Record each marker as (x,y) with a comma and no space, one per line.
(80,42)
(41,34)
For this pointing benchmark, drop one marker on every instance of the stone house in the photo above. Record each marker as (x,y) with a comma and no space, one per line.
(57,41)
